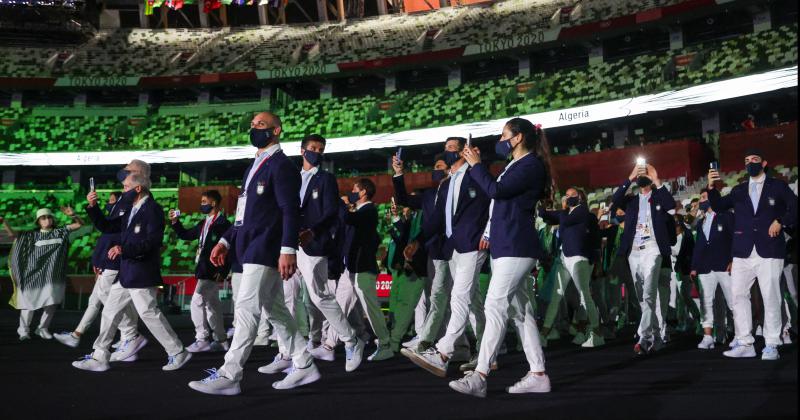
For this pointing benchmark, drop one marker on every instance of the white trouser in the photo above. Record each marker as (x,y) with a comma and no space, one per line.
(421,310)
(367,295)
(709,282)
(316,320)
(441,285)
(645,270)
(206,306)
(144,300)
(579,269)
(293,297)
(127,325)
(347,299)
(510,294)
(743,273)
(315,277)
(790,304)
(261,288)
(663,295)
(465,297)
(26,317)
(263,325)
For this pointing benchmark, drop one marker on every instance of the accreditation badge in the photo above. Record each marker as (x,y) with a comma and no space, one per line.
(315,193)
(260,188)
(240,205)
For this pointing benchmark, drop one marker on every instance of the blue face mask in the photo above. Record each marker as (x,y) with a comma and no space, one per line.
(704,206)
(109,207)
(314,158)
(451,157)
(260,137)
(617,219)
(437,176)
(122,174)
(353,197)
(504,147)
(754,169)
(206,208)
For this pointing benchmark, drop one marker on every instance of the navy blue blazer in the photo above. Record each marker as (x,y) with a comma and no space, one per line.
(714,253)
(362,240)
(574,230)
(104,243)
(469,219)
(319,212)
(272,213)
(750,229)
(205,270)
(426,201)
(661,201)
(141,240)
(338,240)
(513,225)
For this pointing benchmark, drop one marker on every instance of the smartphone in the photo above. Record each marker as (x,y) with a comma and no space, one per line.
(399,153)
(641,162)
(469,140)
(714,166)
(602,206)
(91,184)
(177,213)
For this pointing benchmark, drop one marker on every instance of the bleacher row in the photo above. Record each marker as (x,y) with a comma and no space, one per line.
(338,117)
(146,52)
(178,255)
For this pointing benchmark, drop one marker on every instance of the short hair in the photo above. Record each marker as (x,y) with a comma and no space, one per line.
(461,141)
(438,157)
(139,180)
(367,185)
(144,167)
(116,194)
(213,195)
(312,137)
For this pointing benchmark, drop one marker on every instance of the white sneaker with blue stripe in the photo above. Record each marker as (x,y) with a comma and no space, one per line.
(770,353)
(215,384)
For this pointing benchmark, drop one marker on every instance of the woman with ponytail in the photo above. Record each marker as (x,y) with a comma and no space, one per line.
(514,247)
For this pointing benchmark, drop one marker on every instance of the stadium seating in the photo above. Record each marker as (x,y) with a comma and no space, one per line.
(337,117)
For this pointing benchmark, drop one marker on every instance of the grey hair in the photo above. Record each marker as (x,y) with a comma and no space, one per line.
(144,167)
(139,180)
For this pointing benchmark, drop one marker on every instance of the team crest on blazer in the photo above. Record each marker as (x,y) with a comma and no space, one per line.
(122,212)
(771,201)
(315,193)
(658,207)
(472,192)
(719,228)
(260,188)
(137,228)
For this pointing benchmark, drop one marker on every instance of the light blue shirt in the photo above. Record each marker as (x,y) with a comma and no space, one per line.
(306,179)
(453,191)
(136,208)
(644,221)
(708,219)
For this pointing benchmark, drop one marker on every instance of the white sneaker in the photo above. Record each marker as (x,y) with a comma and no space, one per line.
(199,346)
(410,344)
(530,383)
(216,346)
(770,353)
(354,355)
(707,343)
(24,337)
(733,343)
(229,333)
(42,332)
(298,377)
(381,353)
(323,352)
(91,364)
(429,360)
(177,361)
(594,340)
(278,365)
(117,344)
(473,383)
(67,338)
(579,339)
(216,385)
(129,348)
(786,337)
(740,351)
(261,341)
(473,364)
(461,354)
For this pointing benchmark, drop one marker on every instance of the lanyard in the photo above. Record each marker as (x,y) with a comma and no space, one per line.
(206,228)
(254,172)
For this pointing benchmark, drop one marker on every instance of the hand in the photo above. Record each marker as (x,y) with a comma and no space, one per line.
(693,275)
(68,211)
(397,165)
(410,250)
(730,264)
(472,155)
(483,245)
(713,176)
(114,252)
(91,198)
(287,265)
(393,209)
(775,229)
(218,254)
(637,170)
(653,175)
(173,218)
(306,237)
(96,270)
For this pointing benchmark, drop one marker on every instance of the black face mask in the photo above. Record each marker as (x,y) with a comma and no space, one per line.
(704,206)
(754,169)
(643,181)
(437,176)
(451,157)
(260,137)
(109,207)
(573,201)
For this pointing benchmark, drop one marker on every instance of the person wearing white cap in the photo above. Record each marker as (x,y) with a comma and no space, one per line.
(38,262)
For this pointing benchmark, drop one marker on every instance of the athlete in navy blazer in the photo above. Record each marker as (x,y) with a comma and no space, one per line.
(205,270)
(573,230)
(362,243)
(469,219)
(713,253)
(660,202)
(319,213)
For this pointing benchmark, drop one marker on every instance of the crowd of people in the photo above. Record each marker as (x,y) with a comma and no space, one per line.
(304,261)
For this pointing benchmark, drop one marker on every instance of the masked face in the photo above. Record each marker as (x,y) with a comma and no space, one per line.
(704,206)
(451,157)
(754,169)
(643,181)
(573,201)
(109,207)
(206,208)
(504,146)
(437,176)
(260,137)
(313,158)
(130,195)
(354,196)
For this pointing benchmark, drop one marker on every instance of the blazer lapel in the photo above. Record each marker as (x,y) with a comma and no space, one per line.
(764,195)
(312,183)
(463,195)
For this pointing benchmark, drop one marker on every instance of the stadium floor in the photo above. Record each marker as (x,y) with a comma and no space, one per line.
(610,382)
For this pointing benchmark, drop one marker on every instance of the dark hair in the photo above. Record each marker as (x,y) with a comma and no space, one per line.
(461,141)
(581,194)
(117,194)
(438,157)
(213,195)
(310,138)
(536,142)
(367,185)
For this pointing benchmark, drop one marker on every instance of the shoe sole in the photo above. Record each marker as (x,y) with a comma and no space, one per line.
(481,395)
(527,392)
(185,361)
(415,359)
(227,392)
(326,358)
(379,359)
(68,344)
(469,368)
(91,370)
(307,380)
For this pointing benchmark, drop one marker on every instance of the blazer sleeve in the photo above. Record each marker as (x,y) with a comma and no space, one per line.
(102,223)
(331,212)
(187,234)
(402,196)
(664,198)
(287,186)
(696,254)
(578,216)
(619,199)
(719,203)
(512,184)
(152,241)
(551,217)
(789,219)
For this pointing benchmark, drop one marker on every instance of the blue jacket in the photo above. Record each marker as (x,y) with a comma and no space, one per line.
(750,229)
(513,226)
(362,240)
(714,253)
(319,212)
(141,240)
(432,242)
(661,201)
(574,230)
(104,243)
(271,215)
(338,239)
(469,219)
(205,270)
